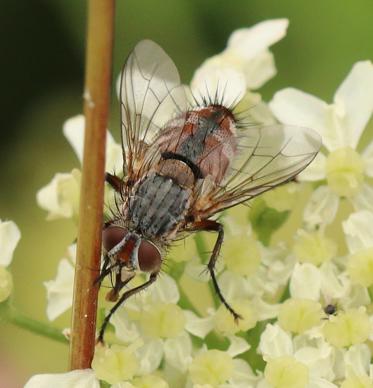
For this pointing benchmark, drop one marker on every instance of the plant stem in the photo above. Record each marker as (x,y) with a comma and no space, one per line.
(12,315)
(96,108)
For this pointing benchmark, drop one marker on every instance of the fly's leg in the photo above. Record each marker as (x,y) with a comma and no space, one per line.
(114,181)
(213,226)
(124,297)
(105,270)
(113,294)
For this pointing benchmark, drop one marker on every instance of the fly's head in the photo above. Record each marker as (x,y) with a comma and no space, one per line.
(129,251)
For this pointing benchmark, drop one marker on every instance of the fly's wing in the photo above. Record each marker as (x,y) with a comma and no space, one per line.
(266,157)
(150,95)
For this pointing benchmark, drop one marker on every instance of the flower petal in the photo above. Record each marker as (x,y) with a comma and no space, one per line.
(9,237)
(243,376)
(320,383)
(275,342)
(237,346)
(305,282)
(334,285)
(294,107)
(357,359)
(364,199)
(265,310)
(178,352)
(233,285)
(165,290)
(319,360)
(73,129)
(125,329)
(249,42)
(315,171)
(259,70)
(74,379)
(367,155)
(60,290)
(150,356)
(220,80)
(355,98)
(114,156)
(60,197)
(321,208)
(358,231)
(199,327)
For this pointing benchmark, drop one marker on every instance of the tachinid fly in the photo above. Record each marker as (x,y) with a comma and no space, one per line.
(184,163)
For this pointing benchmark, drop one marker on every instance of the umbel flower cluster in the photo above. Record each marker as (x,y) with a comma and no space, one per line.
(297,264)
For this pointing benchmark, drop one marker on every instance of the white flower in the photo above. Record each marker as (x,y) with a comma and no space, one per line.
(315,354)
(359,238)
(74,379)
(340,124)
(328,283)
(246,63)
(357,359)
(60,290)
(275,342)
(215,368)
(305,282)
(155,316)
(60,197)
(73,129)
(358,231)
(9,237)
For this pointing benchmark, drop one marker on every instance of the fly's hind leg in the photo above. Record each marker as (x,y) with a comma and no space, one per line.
(213,226)
(121,300)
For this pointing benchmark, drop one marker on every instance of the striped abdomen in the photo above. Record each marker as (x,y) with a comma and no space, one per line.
(157,206)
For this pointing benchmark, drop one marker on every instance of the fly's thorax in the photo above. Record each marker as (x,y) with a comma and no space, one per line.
(218,129)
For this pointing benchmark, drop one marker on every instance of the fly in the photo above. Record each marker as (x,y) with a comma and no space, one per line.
(182,165)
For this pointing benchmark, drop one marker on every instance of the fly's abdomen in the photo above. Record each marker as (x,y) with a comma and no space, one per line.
(158,205)
(206,141)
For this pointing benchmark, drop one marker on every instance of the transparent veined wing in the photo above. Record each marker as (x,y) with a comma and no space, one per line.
(150,95)
(267,156)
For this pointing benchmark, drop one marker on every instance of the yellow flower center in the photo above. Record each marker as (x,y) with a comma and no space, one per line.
(345,171)
(212,367)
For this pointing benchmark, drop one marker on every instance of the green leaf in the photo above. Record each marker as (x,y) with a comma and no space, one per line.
(266,220)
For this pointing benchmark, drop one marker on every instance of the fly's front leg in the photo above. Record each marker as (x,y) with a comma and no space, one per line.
(122,299)
(213,226)
(105,270)
(113,294)
(114,181)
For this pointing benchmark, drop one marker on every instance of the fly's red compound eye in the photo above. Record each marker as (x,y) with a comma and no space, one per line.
(111,236)
(149,257)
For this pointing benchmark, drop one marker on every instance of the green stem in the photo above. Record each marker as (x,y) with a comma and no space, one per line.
(12,315)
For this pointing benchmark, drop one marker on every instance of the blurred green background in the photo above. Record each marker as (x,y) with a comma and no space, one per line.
(42,64)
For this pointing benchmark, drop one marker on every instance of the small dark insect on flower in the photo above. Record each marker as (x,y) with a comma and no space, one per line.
(330,309)
(183,163)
